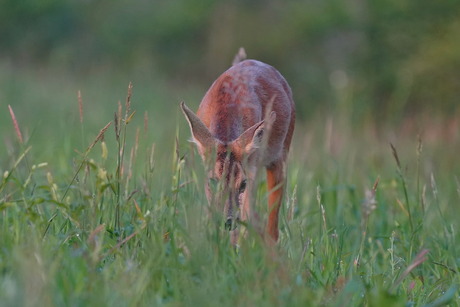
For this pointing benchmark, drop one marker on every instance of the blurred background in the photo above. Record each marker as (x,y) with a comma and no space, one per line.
(364,73)
(374,61)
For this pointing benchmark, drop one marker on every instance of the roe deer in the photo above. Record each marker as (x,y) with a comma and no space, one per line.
(245,121)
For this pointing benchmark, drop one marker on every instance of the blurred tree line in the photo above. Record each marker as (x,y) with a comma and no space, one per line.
(383,57)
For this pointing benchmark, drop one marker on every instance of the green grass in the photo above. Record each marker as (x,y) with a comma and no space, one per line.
(81,225)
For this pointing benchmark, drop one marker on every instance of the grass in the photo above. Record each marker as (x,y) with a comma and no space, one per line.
(101,215)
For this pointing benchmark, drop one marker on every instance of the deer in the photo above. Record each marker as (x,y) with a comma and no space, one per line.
(244,123)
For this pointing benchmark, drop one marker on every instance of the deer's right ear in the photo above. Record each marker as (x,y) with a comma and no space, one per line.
(200,133)
(252,138)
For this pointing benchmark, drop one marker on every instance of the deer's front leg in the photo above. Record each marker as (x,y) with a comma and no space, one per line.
(275,187)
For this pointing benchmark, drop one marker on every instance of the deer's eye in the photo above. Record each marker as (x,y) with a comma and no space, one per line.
(242,187)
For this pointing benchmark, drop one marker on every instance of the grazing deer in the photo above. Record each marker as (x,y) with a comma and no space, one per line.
(245,121)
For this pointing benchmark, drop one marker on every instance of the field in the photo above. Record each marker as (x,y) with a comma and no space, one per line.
(102,204)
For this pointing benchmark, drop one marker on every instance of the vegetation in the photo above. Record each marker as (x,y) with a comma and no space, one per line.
(106,222)
(102,203)
(394,57)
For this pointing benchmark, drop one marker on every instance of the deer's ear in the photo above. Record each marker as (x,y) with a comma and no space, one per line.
(253,138)
(200,133)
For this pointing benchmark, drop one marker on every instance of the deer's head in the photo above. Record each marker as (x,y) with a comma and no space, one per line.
(231,167)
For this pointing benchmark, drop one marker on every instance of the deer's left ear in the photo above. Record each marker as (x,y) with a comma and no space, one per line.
(201,134)
(252,138)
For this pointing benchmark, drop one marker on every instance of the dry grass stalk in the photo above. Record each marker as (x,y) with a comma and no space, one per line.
(117,119)
(136,143)
(99,137)
(369,204)
(128,99)
(16,125)
(367,207)
(146,122)
(117,128)
(419,259)
(80,106)
(130,168)
(292,204)
(152,159)
(120,110)
(92,237)
(404,185)
(395,155)
(121,141)
(128,119)
(138,210)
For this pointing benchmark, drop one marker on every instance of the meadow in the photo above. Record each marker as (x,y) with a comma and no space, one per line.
(102,204)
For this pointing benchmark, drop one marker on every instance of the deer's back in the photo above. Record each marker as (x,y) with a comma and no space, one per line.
(238,99)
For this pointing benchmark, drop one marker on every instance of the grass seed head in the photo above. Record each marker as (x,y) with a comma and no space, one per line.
(395,155)
(99,137)
(128,99)
(80,106)
(16,125)
(117,126)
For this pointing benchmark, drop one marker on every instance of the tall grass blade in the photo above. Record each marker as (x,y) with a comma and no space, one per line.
(404,185)
(99,137)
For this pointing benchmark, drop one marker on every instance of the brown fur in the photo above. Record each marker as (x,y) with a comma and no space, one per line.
(232,120)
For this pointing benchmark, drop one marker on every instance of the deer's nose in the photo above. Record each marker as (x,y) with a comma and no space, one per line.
(228,224)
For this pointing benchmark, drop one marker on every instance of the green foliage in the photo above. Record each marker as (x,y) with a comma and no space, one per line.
(124,223)
(395,58)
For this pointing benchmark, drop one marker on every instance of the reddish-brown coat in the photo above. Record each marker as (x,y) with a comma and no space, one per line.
(231,118)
